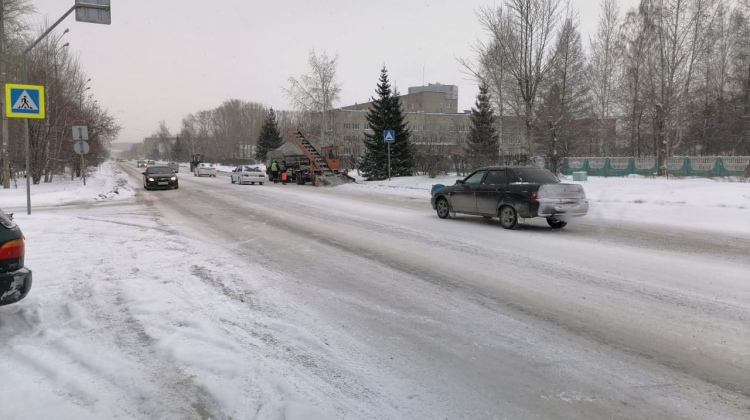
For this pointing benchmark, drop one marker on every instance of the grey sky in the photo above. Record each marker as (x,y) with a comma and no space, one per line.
(164,59)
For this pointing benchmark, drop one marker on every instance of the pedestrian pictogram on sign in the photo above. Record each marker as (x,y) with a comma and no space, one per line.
(389,136)
(24,101)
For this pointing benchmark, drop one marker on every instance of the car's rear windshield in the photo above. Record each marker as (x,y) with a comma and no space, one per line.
(534,176)
(160,170)
(252,169)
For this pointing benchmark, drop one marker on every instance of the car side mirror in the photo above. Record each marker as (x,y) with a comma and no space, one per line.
(459,181)
(143,173)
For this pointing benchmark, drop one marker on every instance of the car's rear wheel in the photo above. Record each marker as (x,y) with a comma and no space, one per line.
(232,178)
(508,217)
(556,223)
(443,208)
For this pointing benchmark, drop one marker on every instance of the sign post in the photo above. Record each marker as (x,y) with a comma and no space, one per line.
(25,101)
(94,11)
(389,136)
(81,146)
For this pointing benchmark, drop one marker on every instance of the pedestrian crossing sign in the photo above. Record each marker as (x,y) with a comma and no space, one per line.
(24,101)
(389,136)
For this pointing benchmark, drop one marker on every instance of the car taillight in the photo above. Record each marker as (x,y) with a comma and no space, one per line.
(13,249)
(534,195)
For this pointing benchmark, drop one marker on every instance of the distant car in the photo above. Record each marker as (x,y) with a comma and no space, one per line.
(510,192)
(245,174)
(141,163)
(15,279)
(205,169)
(160,177)
(175,166)
(151,163)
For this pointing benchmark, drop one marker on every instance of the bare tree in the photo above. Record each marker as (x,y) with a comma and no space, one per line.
(316,93)
(522,34)
(566,90)
(679,28)
(603,68)
(165,140)
(227,132)
(635,37)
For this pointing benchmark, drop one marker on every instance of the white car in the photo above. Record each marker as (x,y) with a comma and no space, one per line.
(205,169)
(244,174)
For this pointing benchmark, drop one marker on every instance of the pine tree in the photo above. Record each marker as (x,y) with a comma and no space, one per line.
(483,144)
(269,138)
(386,114)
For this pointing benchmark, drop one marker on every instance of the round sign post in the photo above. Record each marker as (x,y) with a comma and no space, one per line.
(81,147)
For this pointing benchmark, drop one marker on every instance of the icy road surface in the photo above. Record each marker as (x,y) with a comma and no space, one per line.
(226,301)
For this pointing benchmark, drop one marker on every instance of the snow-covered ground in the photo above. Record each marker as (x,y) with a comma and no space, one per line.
(54,351)
(702,203)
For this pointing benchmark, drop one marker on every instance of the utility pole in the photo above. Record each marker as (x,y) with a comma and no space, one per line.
(5,151)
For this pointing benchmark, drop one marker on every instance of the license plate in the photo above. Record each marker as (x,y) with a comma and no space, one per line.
(565,206)
(163,183)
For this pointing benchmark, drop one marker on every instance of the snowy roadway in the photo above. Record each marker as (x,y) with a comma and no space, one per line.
(225,301)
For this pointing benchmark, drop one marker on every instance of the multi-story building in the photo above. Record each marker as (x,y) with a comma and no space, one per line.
(433,118)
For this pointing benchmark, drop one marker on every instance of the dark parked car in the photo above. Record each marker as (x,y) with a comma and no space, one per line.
(160,177)
(15,279)
(510,193)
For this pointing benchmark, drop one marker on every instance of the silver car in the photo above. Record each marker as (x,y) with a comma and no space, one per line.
(245,174)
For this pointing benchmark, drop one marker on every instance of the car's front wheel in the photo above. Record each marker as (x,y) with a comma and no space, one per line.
(232,179)
(556,223)
(508,217)
(443,209)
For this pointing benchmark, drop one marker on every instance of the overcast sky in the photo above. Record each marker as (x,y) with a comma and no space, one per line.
(161,60)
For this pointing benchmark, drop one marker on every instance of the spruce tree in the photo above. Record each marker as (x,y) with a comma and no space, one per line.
(483,144)
(269,138)
(386,114)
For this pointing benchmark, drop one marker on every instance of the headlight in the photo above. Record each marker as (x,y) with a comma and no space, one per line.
(151,180)
(174,178)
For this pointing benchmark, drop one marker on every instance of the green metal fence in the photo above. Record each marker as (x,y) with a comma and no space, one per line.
(700,166)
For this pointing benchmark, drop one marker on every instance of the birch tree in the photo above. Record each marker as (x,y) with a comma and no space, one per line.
(522,36)
(603,68)
(316,93)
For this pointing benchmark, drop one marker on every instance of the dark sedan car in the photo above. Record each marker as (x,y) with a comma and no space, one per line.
(511,193)
(15,279)
(160,177)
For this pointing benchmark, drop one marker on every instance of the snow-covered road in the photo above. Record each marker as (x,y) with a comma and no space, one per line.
(227,301)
